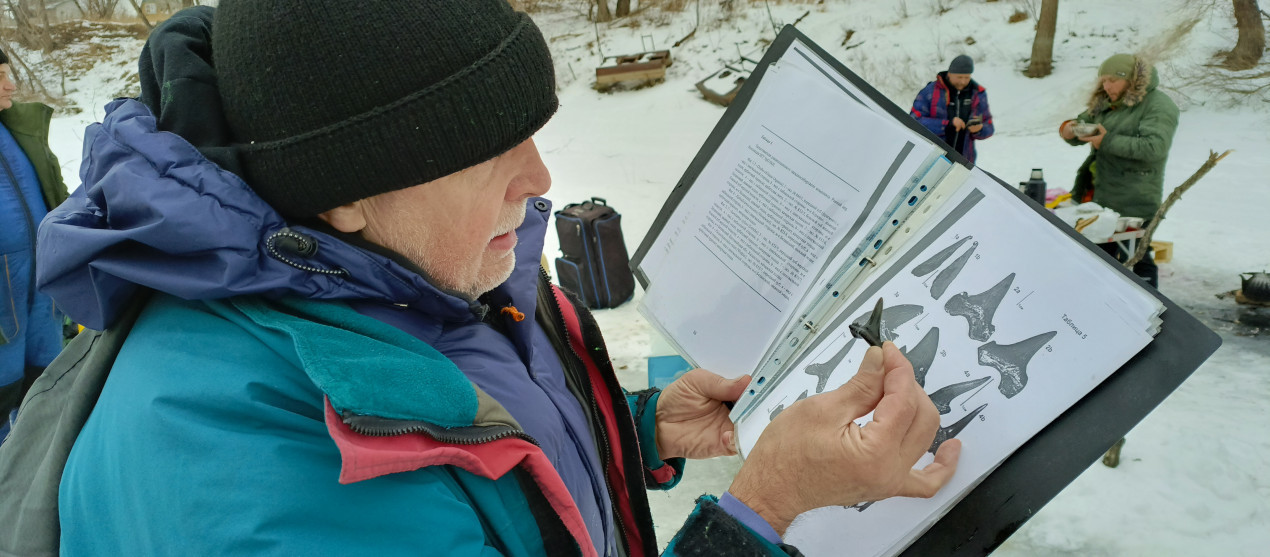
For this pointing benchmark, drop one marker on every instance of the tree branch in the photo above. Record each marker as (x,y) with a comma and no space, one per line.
(1145,243)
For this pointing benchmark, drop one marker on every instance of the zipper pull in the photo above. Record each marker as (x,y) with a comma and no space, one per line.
(512,312)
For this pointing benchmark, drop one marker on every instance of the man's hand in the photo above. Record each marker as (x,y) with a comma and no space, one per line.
(813,455)
(1096,139)
(958,123)
(692,421)
(975,128)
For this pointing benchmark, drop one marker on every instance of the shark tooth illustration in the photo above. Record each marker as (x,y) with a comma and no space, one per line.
(949,432)
(1011,361)
(862,506)
(781,407)
(923,355)
(823,370)
(946,276)
(980,308)
(927,267)
(944,397)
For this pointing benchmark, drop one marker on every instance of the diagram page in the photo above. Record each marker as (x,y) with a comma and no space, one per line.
(985,306)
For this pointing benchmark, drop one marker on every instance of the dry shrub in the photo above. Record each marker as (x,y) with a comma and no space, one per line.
(1168,43)
(1017,16)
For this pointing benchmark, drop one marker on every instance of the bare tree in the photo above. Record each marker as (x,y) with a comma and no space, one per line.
(1252,36)
(29,33)
(602,12)
(141,14)
(100,9)
(1043,45)
(25,78)
(623,8)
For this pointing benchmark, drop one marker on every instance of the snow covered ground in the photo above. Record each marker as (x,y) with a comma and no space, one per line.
(1195,475)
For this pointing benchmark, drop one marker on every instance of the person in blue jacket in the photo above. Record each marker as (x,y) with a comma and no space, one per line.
(30,185)
(954,107)
(332,214)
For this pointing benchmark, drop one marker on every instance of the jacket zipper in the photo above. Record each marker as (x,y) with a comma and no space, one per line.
(601,430)
(30,226)
(375,426)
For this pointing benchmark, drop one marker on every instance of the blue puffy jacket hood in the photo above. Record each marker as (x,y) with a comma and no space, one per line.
(153,212)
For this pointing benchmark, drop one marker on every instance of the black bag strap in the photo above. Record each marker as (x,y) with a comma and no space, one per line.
(48,422)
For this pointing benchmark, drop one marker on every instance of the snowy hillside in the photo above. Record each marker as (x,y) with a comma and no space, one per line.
(1194,480)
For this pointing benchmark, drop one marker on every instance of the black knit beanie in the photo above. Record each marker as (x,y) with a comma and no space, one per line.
(336,101)
(962,64)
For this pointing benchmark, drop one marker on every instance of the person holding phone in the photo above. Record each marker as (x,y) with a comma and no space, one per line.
(955,108)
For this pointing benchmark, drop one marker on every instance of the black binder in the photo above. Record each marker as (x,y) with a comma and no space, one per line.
(1077,438)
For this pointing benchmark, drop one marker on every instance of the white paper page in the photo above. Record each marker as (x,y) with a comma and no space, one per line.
(800,55)
(791,179)
(1042,350)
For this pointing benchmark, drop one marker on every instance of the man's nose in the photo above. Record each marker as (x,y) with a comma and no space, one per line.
(534,179)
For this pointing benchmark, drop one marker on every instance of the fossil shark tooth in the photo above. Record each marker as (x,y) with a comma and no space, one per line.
(871,332)
(1011,361)
(980,308)
(892,318)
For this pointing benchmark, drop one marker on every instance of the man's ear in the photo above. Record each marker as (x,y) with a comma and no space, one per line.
(349,219)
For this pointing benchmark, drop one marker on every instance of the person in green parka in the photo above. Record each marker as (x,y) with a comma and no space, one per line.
(30,185)
(1135,123)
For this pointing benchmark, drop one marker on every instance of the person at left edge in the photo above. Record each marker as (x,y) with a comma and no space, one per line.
(954,107)
(30,185)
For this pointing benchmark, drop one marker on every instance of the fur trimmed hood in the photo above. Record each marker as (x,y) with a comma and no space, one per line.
(1145,79)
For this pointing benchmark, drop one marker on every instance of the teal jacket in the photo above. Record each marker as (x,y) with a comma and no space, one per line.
(293,460)
(450,473)
(1127,173)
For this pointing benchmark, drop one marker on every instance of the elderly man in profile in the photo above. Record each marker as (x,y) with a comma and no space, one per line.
(351,347)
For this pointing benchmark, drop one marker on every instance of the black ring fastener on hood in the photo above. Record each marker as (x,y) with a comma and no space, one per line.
(288,242)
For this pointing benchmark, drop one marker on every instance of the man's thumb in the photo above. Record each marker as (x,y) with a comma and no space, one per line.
(864,390)
(716,387)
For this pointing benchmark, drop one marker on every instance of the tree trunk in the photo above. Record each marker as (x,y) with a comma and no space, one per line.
(1252,36)
(141,14)
(602,12)
(1043,45)
(31,82)
(29,34)
(623,8)
(48,34)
